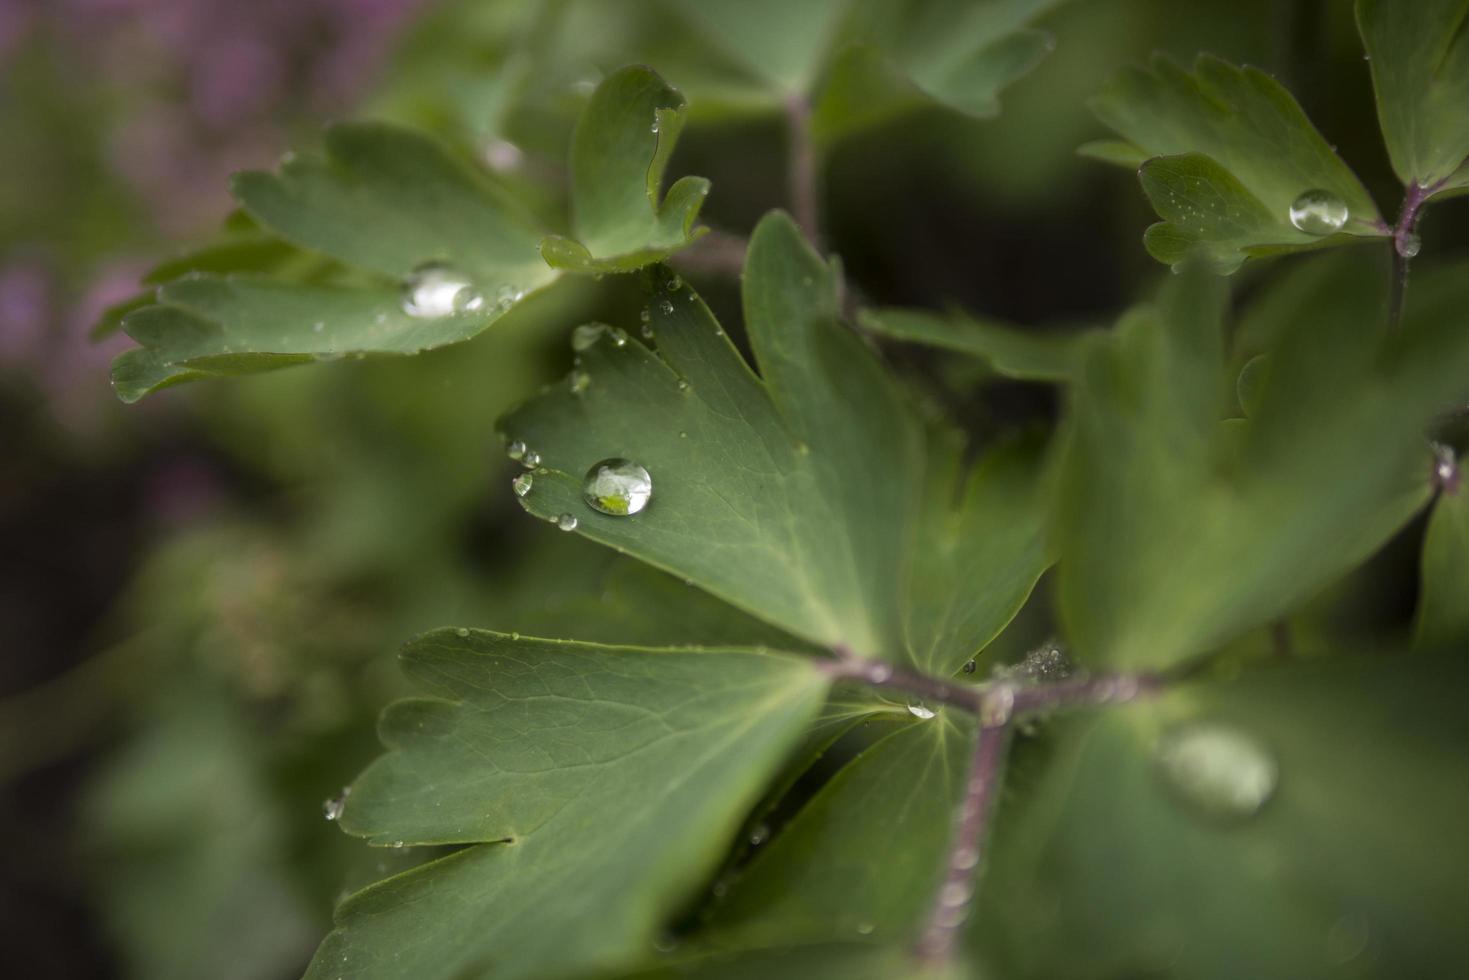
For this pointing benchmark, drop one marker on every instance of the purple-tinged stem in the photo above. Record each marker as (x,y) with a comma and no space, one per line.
(951,906)
(801,172)
(1405,246)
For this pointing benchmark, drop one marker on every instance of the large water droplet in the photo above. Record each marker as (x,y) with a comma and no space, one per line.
(566,522)
(1410,245)
(1318,212)
(522,484)
(332,808)
(920,711)
(437,289)
(618,487)
(586,335)
(1224,772)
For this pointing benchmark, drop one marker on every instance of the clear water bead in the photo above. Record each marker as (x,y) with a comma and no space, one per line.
(1318,212)
(579,382)
(516,450)
(1410,245)
(586,335)
(618,487)
(1222,771)
(531,459)
(666,306)
(332,808)
(920,711)
(566,522)
(437,289)
(522,484)
(619,337)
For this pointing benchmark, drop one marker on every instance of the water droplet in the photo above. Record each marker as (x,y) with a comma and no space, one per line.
(522,484)
(647,331)
(966,858)
(437,289)
(645,315)
(332,808)
(516,450)
(1318,212)
(461,631)
(865,928)
(674,283)
(578,382)
(566,522)
(1410,245)
(502,155)
(586,335)
(654,127)
(531,459)
(970,666)
(920,711)
(318,326)
(1223,771)
(759,835)
(397,844)
(619,337)
(666,305)
(997,706)
(618,487)
(683,385)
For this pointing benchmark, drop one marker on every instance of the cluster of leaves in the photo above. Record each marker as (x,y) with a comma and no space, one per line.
(1213,472)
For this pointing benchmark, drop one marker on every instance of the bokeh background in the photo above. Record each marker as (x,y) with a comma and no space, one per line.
(201,595)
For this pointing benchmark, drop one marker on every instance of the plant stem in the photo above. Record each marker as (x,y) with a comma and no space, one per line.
(801,167)
(718,253)
(1404,247)
(984,699)
(951,907)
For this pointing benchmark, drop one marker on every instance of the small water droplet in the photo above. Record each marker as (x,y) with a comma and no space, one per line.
(647,331)
(920,710)
(332,808)
(397,844)
(997,706)
(1318,212)
(461,631)
(586,335)
(1410,245)
(619,337)
(516,450)
(674,283)
(1222,771)
(683,385)
(531,459)
(654,127)
(618,487)
(966,858)
(759,835)
(578,382)
(666,305)
(865,928)
(522,484)
(566,522)
(437,289)
(970,666)
(318,326)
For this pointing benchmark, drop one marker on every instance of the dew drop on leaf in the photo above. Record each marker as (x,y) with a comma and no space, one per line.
(1318,212)
(666,305)
(619,338)
(759,835)
(1410,245)
(586,335)
(1223,772)
(618,487)
(566,522)
(920,711)
(332,808)
(674,283)
(522,484)
(437,289)
(516,450)
(531,459)
(970,666)
(461,631)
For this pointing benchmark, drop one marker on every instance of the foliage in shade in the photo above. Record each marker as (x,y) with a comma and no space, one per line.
(597,784)
(1010,351)
(1227,151)
(1443,601)
(1420,69)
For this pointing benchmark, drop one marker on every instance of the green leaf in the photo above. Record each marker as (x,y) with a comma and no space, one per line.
(779,42)
(1179,531)
(867,855)
(895,57)
(1420,69)
(1102,865)
(383,202)
(792,495)
(1233,152)
(593,787)
(621,148)
(1012,352)
(1443,598)
(849,961)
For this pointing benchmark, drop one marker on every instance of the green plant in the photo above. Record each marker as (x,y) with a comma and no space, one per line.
(639,797)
